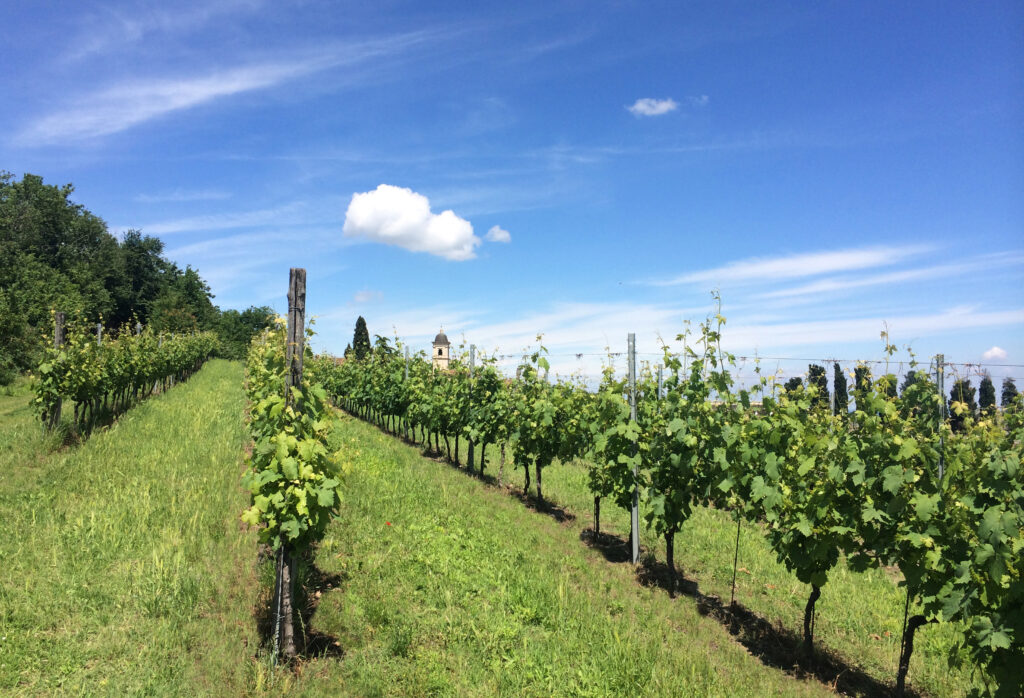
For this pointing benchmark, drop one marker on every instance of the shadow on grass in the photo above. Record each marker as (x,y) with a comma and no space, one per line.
(774,645)
(311,584)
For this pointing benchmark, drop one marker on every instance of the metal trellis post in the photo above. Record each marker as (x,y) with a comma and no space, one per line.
(634,517)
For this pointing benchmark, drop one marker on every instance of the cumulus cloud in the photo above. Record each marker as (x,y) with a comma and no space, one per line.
(994,353)
(399,216)
(498,234)
(652,107)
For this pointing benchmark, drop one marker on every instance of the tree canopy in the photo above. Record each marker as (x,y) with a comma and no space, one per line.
(57,255)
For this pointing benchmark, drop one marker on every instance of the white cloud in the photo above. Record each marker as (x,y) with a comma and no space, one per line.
(700,101)
(123,106)
(285,215)
(181,195)
(648,106)
(366,296)
(133,102)
(498,234)
(797,265)
(401,217)
(987,262)
(994,353)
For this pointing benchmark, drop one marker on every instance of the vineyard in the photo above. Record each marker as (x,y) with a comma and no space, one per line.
(392,573)
(107,377)
(889,484)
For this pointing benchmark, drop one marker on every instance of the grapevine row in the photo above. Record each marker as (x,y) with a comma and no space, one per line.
(111,374)
(863,485)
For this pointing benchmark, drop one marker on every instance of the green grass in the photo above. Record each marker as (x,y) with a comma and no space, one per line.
(124,571)
(122,567)
(859,615)
(468,593)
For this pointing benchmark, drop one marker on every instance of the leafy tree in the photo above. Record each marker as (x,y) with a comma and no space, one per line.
(839,381)
(361,339)
(1009,392)
(986,395)
(817,378)
(794,383)
(236,329)
(57,255)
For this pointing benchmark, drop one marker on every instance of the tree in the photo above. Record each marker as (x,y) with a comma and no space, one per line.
(236,329)
(961,404)
(861,383)
(911,379)
(839,381)
(817,378)
(794,383)
(361,339)
(986,395)
(1009,392)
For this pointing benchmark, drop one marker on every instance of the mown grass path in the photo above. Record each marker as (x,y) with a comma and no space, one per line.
(123,569)
(446,586)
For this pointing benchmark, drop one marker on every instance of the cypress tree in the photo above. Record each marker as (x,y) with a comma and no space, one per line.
(963,392)
(910,379)
(986,395)
(861,384)
(816,377)
(1009,392)
(794,383)
(842,398)
(361,339)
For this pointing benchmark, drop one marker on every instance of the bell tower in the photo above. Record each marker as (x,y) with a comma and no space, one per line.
(440,353)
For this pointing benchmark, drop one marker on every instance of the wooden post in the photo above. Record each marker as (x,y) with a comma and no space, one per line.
(99,333)
(138,328)
(634,516)
(284,636)
(58,342)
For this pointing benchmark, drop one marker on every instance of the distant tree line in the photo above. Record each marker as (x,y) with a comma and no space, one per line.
(57,255)
(977,401)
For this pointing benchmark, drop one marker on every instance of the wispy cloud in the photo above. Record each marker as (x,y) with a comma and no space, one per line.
(699,100)
(648,106)
(816,288)
(797,265)
(183,195)
(284,215)
(136,101)
(114,29)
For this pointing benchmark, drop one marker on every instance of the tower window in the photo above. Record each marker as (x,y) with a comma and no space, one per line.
(440,352)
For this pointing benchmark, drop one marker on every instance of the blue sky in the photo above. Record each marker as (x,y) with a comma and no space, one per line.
(580,169)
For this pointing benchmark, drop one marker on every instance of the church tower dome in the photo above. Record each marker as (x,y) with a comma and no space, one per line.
(440,353)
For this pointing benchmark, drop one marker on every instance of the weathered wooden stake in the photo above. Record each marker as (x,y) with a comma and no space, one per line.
(284,637)
(99,333)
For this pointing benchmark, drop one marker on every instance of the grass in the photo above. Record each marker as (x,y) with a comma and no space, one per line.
(859,615)
(446,586)
(124,571)
(122,567)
